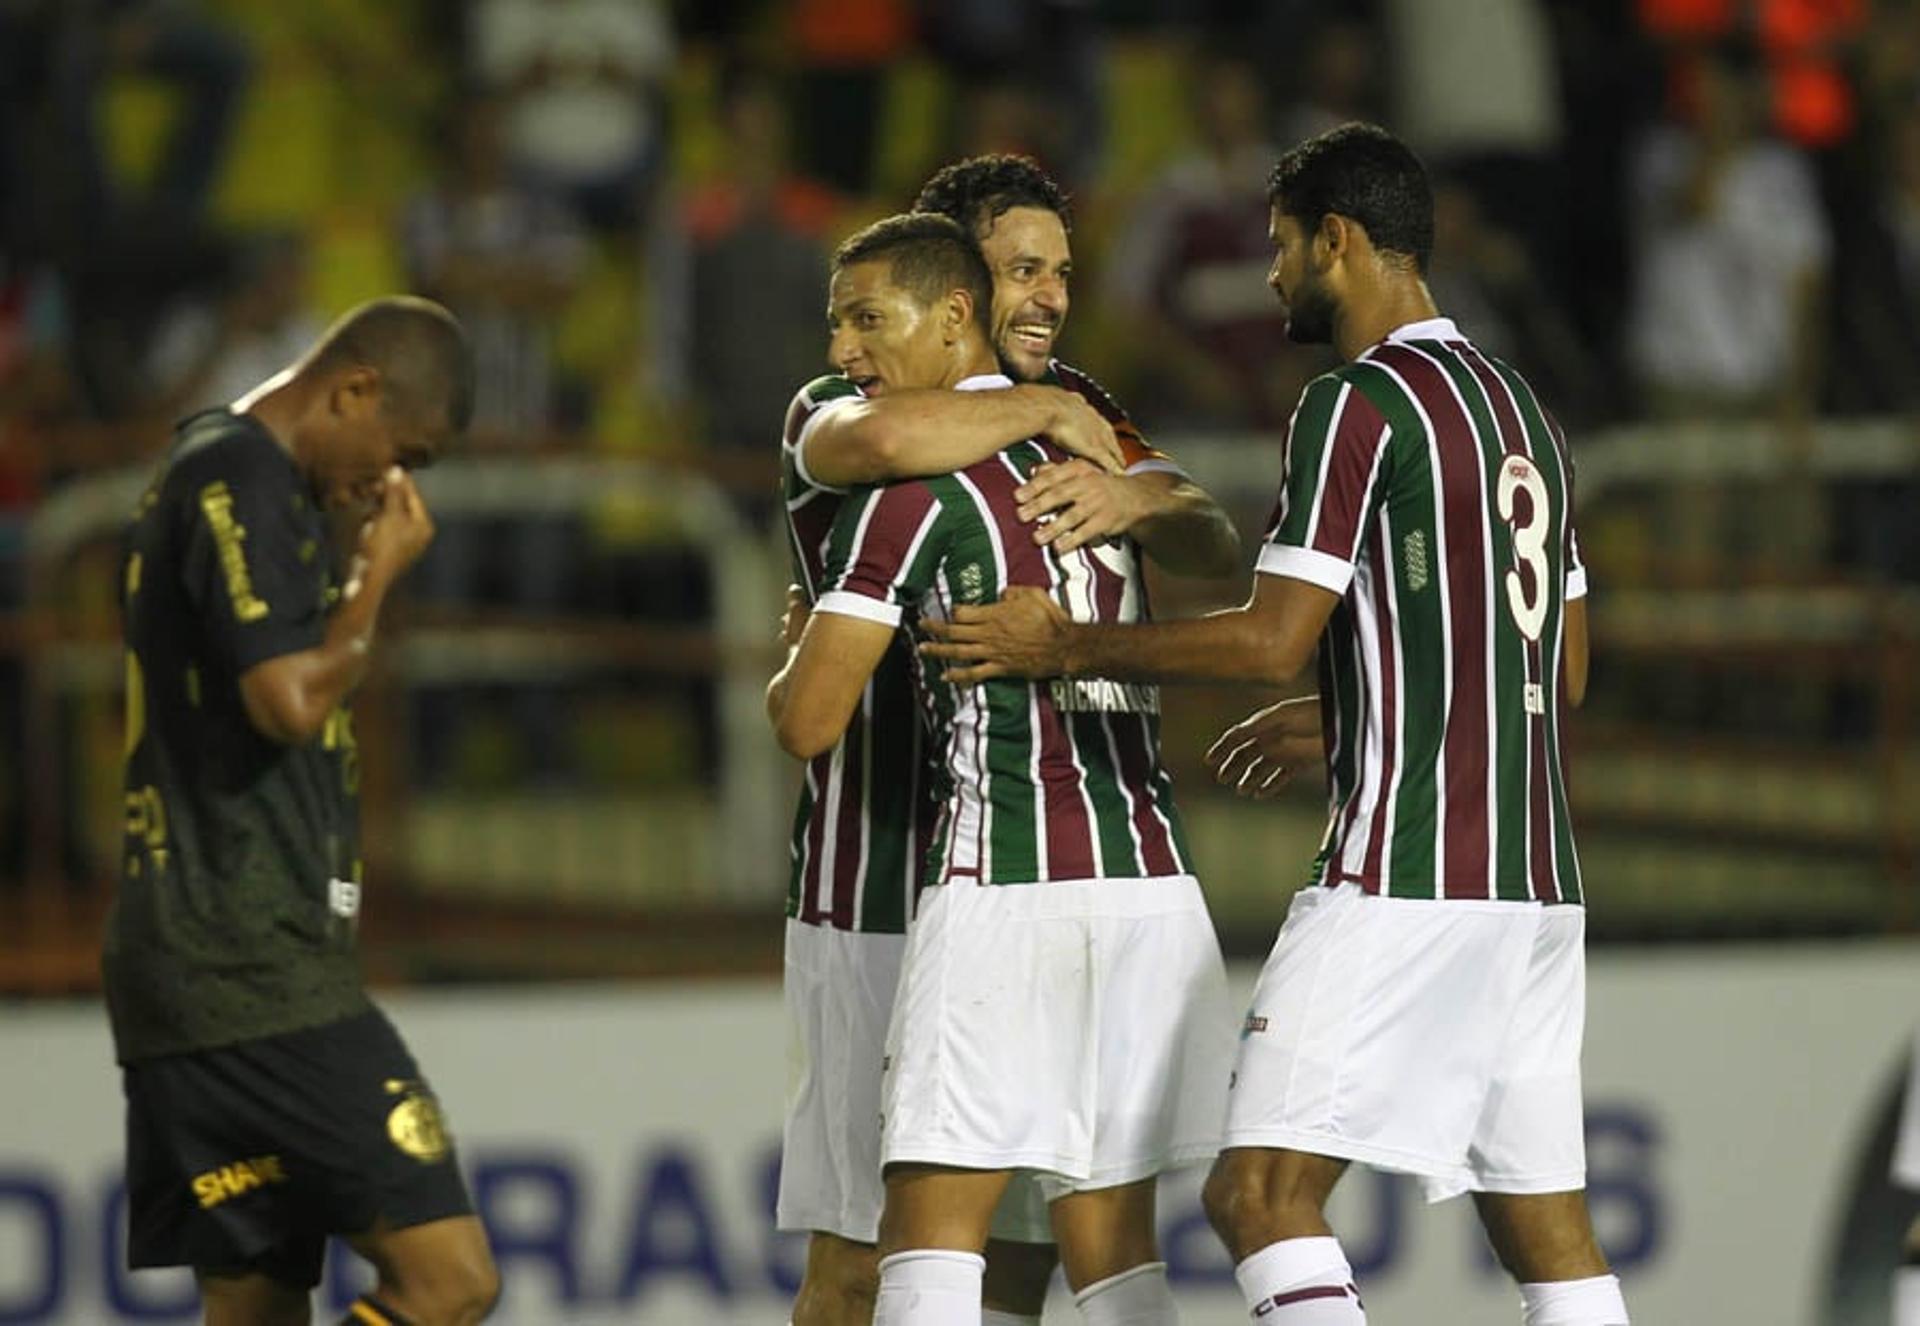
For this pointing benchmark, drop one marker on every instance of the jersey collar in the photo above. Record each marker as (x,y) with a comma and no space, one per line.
(1427,329)
(984,382)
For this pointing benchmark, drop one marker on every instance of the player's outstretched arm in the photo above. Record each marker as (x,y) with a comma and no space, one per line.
(909,434)
(1266,641)
(812,699)
(1172,518)
(288,697)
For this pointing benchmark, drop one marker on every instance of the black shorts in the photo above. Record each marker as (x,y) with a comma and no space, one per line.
(247,1157)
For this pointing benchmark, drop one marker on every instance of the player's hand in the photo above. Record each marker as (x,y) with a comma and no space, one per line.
(1082,430)
(1076,504)
(1023,635)
(1258,756)
(400,529)
(794,620)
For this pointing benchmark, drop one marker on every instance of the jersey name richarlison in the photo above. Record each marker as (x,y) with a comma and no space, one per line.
(1030,790)
(868,809)
(1426,484)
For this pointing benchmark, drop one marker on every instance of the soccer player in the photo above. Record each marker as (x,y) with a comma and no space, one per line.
(861,827)
(269,1103)
(1423,1006)
(1906,1173)
(1057,1005)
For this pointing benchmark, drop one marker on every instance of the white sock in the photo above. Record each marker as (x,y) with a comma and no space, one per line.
(995,1317)
(1136,1297)
(929,1287)
(1906,1296)
(1301,1282)
(1594,1302)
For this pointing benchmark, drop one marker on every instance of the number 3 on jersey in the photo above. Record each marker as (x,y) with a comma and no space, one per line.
(1526,595)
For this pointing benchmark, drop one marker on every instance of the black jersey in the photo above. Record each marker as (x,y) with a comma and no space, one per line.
(240,888)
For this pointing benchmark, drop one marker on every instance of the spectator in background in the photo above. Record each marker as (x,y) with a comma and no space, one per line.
(1486,277)
(1731,254)
(1476,86)
(211,349)
(843,50)
(582,86)
(506,258)
(759,235)
(1029,75)
(1337,80)
(1188,273)
(204,63)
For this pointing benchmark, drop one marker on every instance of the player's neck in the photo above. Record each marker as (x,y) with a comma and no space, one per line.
(971,361)
(1367,319)
(276,405)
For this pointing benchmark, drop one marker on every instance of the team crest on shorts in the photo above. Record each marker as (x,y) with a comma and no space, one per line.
(416,1125)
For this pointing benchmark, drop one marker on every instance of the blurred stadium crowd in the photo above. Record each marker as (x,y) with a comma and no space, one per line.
(1694,223)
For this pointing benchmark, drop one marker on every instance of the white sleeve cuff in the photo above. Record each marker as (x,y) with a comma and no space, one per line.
(1576,583)
(1157,465)
(849,604)
(806,431)
(1331,573)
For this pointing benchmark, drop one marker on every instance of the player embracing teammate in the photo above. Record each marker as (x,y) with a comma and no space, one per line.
(1423,1007)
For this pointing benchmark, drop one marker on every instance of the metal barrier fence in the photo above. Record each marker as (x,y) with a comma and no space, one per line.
(1749,761)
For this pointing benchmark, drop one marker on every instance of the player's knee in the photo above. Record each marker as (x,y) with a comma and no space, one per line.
(457,1292)
(1234,1198)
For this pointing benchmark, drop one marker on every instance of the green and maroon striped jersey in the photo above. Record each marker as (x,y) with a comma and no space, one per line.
(866,815)
(1427,485)
(1037,781)
(865,818)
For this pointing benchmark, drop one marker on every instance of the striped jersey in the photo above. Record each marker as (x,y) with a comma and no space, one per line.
(1427,485)
(1036,781)
(866,814)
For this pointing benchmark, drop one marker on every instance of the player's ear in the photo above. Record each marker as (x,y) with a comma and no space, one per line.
(955,315)
(356,392)
(1335,237)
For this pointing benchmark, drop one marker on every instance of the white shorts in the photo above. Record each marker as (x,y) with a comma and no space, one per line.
(839,992)
(1434,1038)
(1079,1030)
(1906,1146)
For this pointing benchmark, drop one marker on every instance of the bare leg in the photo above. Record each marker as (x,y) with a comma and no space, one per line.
(841,1280)
(438,1274)
(252,1299)
(935,1206)
(1105,1232)
(1261,1195)
(1541,1237)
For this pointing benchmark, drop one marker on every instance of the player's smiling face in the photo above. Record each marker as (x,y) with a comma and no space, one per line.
(1303,294)
(1027,252)
(880,335)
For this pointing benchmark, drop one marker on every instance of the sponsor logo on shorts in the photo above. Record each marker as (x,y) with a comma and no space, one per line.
(415,1125)
(1253,1024)
(237,1179)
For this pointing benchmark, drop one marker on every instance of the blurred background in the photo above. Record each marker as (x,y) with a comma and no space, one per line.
(1694,224)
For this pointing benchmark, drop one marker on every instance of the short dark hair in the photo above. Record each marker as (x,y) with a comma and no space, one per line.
(1364,173)
(976,191)
(426,368)
(929,254)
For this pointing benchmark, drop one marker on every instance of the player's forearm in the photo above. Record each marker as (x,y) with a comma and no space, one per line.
(1229,646)
(909,434)
(1186,532)
(288,698)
